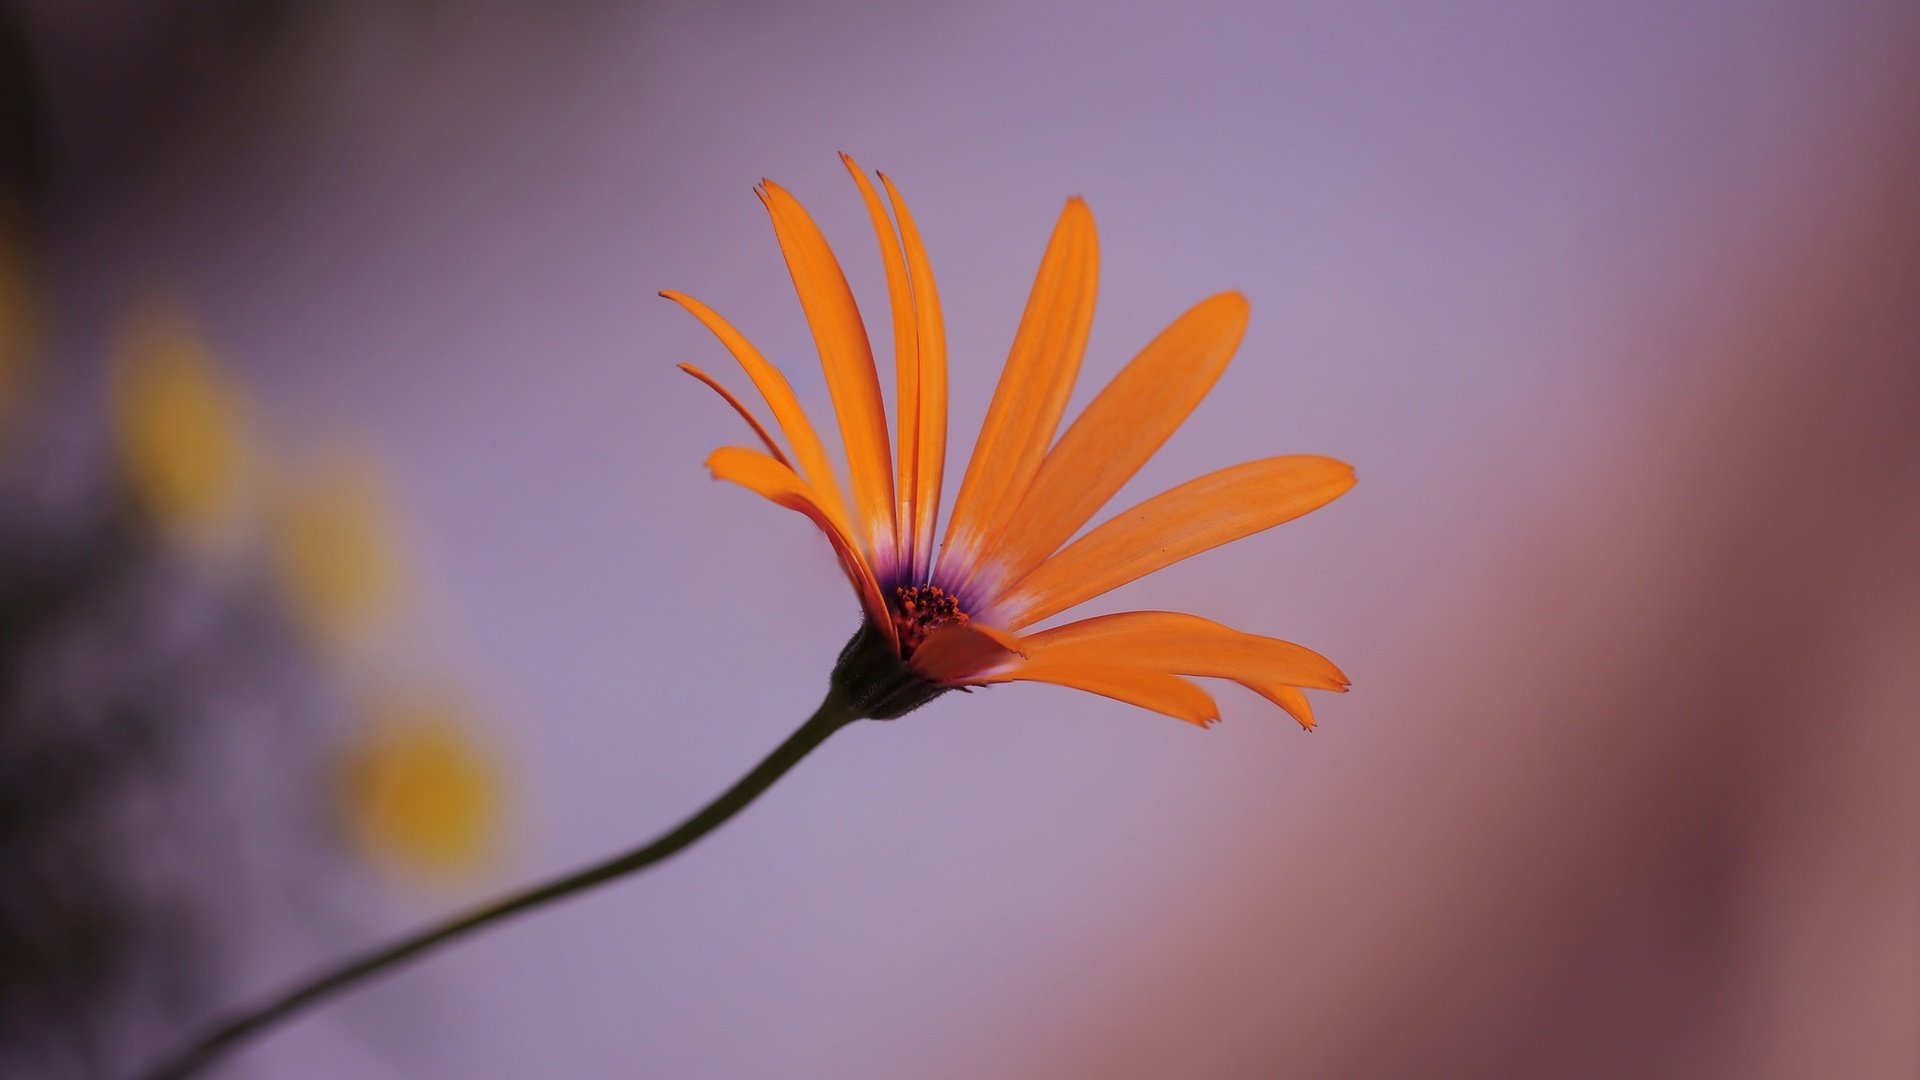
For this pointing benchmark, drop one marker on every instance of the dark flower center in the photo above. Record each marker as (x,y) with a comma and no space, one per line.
(920,609)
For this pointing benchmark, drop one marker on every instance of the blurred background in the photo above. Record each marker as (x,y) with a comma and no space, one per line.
(357,563)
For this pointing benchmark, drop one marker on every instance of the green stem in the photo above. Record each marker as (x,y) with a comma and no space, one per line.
(834,713)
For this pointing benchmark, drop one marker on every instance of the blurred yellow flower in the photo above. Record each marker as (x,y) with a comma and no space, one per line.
(420,791)
(19,317)
(334,548)
(180,425)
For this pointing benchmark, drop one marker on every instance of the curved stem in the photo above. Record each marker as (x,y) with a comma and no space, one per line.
(833,714)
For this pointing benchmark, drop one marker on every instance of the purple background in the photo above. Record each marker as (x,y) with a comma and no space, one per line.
(1611,306)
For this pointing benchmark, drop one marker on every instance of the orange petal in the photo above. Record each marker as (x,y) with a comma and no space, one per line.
(1201,514)
(1185,644)
(1032,393)
(714,385)
(1007,640)
(1290,698)
(847,359)
(961,653)
(808,451)
(771,480)
(1123,427)
(906,357)
(1148,688)
(930,432)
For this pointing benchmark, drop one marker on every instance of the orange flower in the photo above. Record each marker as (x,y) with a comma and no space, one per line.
(961,619)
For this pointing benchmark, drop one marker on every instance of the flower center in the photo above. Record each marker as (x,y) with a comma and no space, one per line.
(920,609)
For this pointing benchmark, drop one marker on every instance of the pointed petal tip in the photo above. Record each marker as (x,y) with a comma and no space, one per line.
(1335,471)
(1203,718)
(1233,301)
(1345,471)
(1005,639)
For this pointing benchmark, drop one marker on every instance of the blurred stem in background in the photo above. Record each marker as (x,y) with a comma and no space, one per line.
(189,600)
(834,713)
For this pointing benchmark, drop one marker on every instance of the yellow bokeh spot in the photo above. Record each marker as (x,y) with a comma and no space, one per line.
(422,792)
(180,425)
(334,549)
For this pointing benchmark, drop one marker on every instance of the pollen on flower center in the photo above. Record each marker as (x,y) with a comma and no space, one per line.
(919,609)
